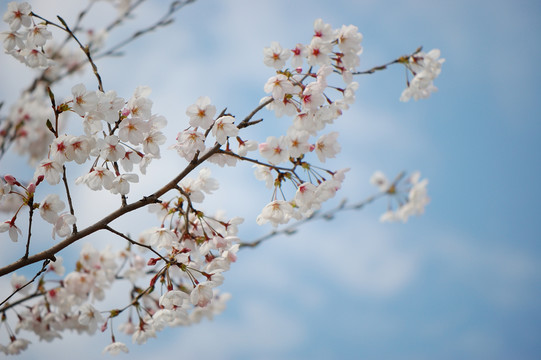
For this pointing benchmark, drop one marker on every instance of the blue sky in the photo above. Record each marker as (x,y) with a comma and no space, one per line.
(462,281)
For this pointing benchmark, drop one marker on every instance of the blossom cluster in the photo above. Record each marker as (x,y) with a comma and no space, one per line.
(408,195)
(174,269)
(425,68)
(25,40)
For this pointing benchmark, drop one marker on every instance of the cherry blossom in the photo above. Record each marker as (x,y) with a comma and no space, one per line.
(62,225)
(83,101)
(11,228)
(38,35)
(275,56)
(90,317)
(274,149)
(18,14)
(115,348)
(201,113)
(17,283)
(174,268)
(49,208)
(327,146)
(121,184)
(223,128)
(276,212)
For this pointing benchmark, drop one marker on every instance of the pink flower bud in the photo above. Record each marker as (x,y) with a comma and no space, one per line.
(31,188)
(11,180)
(40,179)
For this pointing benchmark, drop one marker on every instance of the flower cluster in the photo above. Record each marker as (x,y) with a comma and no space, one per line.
(25,44)
(410,195)
(174,268)
(304,93)
(425,67)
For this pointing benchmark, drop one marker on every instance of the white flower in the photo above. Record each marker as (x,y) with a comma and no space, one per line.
(50,207)
(425,68)
(12,230)
(318,52)
(12,39)
(173,299)
(51,170)
(152,142)
(83,101)
(121,184)
(18,281)
(17,15)
(323,31)
(142,334)
(274,149)
(223,128)
(97,179)
(327,146)
(349,39)
(188,143)
(275,56)
(63,225)
(205,182)
(109,105)
(201,295)
(115,348)
(16,346)
(299,53)
(110,148)
(133,129)
(264,173)
(279,86)
(161,237)
(201,113)
(90,317)
(247,145)
(5,188)
(298,142)
(380,180)
(38,35)
(277,212)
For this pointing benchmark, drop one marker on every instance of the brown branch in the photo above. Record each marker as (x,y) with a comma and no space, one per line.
(131,241)
(317,215)
(30,215)
(102,224)
(65,181)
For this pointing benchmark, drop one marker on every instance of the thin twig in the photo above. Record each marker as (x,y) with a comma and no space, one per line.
(43,269)
(317,215)
(131,241)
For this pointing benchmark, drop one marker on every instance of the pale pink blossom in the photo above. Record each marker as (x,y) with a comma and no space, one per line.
(201,295)
(121,184)
(18,281)
(115,348)
(63,225)
(275,56)
(49,208)
(327,146)
(323,31)
(83,101)
(274,149)
(12,229)
(38,35)
(201,113)
(18,14)
(223,128)
(276,212)
(90,317)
